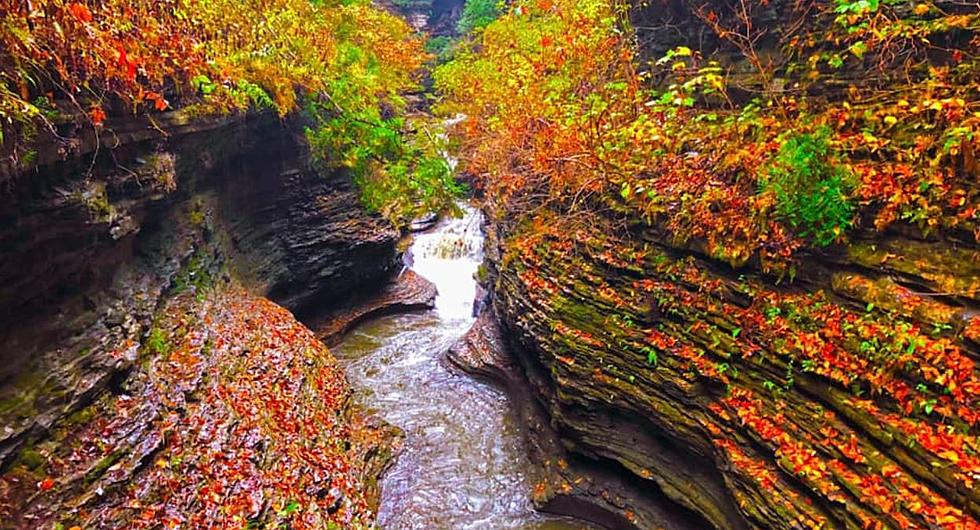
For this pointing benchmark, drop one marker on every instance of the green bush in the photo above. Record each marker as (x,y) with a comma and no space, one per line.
(419,182)
(439,46)
(478,14)
(399,168)
(811,190)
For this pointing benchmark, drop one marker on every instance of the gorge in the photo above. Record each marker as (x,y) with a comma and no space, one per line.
(538,264)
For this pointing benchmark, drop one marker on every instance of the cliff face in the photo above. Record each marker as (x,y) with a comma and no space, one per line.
(121,277)
(846,398)
(435,17)
(741,283)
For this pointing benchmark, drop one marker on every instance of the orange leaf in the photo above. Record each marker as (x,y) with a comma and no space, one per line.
(80,11)
(125,61)
(158,102)
(97,115)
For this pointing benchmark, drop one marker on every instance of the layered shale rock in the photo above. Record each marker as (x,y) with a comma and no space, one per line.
(408,292)
(846,398)
(95,246)
(564,482)
(237,413)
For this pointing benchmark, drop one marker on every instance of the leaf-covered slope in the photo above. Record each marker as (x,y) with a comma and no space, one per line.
(101,368)
(237,415)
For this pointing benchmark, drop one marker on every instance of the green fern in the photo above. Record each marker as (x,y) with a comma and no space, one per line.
(812,191)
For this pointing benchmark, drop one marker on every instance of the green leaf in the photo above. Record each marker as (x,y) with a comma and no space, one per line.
(652,357)
(291,508)
(859,48)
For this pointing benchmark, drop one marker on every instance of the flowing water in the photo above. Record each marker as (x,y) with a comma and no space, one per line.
(463,462)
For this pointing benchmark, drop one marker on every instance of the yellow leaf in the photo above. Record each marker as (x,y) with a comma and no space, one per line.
(921,9)
(951,456)
(890,120)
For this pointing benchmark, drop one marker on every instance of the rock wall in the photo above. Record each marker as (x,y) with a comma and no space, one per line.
(302,238)
(94,246)
(435,17)
(564,483)
(841,392)
(845,398)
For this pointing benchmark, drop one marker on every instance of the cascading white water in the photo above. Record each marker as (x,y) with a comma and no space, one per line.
(449,256)
(463,463)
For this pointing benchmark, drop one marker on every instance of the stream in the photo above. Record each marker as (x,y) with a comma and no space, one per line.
(463,461)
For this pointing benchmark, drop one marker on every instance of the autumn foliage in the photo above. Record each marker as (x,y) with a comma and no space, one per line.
(564,108)
(237,419)
(87,61)
(657,204)
(839,416)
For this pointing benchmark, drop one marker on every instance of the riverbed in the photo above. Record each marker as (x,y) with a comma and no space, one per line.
(463,462)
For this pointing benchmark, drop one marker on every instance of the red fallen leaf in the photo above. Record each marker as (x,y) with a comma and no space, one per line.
(80,11)
(45,484)
(158,102)
(97,115)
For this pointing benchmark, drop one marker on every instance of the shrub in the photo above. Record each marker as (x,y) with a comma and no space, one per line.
(440,46)
(399,168)
(811,190)
(477,14)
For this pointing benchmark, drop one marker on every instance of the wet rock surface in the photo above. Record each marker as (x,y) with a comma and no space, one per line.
(564,483)
(423,223)
(740,401)
(299,235)
(407,292)
(94,249)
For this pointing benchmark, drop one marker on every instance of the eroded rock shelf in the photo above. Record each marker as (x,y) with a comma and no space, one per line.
(745,402)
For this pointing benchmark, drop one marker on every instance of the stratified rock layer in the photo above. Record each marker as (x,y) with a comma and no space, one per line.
(302,236)
(236,413)
(94,250)
(846,398)
(564,483)
(407,292)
